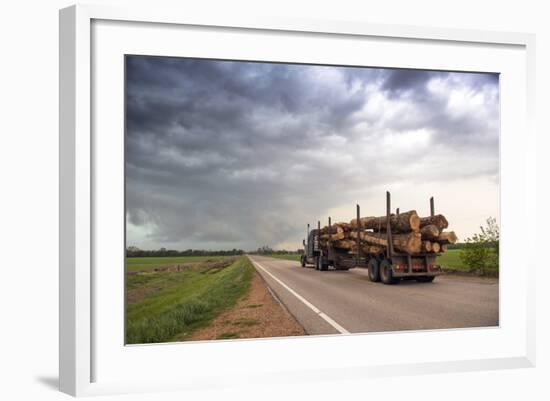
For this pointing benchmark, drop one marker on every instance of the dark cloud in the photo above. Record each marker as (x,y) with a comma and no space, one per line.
(399,81)
(226,154)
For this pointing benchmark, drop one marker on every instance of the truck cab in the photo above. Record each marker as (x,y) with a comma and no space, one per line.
(311,249)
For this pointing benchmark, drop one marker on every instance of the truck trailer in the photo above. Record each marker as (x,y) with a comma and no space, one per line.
(387,266)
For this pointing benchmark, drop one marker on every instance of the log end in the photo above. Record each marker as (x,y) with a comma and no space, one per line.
(414,222)
(426,246)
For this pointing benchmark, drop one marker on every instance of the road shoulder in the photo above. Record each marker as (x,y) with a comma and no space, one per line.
(256,315)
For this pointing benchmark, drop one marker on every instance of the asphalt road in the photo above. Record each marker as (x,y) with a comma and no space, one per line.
(333,302)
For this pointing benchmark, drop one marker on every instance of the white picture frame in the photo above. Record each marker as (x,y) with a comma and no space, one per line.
(78,164)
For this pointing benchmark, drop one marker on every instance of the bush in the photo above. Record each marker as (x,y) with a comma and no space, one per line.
(481,252)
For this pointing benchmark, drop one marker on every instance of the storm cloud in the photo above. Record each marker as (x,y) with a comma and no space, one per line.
(231,154)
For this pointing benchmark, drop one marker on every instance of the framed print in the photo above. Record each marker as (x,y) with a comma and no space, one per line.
(341,199)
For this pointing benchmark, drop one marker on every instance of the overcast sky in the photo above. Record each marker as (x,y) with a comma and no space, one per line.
(224,154)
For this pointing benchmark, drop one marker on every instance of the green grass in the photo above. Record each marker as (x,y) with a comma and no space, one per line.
(450,261)
(133,264)
(287,256)
(183,301)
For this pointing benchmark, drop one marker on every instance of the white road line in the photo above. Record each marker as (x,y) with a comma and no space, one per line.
(322,315)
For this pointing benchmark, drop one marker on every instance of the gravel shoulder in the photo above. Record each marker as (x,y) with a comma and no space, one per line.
(257,315)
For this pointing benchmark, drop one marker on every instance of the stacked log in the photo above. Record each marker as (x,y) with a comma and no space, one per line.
(344,244)
(409,243)
(426,246)
(438,220)
(400,223)
(447,237)
(367,249)
(410,234)
(430,232)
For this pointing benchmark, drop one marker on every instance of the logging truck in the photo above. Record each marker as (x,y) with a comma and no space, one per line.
(390,255)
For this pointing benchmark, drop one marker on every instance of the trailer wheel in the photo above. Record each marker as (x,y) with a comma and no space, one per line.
(374,270)
(386,273)
(425,279)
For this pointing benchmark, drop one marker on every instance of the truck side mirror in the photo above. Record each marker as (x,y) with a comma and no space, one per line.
(304,242)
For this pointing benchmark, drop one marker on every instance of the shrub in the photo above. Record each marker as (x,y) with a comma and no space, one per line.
(481,252)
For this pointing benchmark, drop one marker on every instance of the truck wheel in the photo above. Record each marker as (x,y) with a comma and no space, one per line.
(425,279)
(303,261)
(386,273)
(317,263)
(374,270)
(324,265)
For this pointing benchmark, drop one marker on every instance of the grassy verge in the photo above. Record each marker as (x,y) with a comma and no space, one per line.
(136,264)
(178,303)
(450,261)
(287,256)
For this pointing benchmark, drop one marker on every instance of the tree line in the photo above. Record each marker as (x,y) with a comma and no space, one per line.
(267,250)
(133,251)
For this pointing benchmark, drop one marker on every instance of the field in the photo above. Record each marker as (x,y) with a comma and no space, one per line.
(287,256)
(134,264)
(450,261)
(174,302)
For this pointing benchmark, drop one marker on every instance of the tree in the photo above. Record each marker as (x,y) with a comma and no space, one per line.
(265,250)
(491,234)
(481,251)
